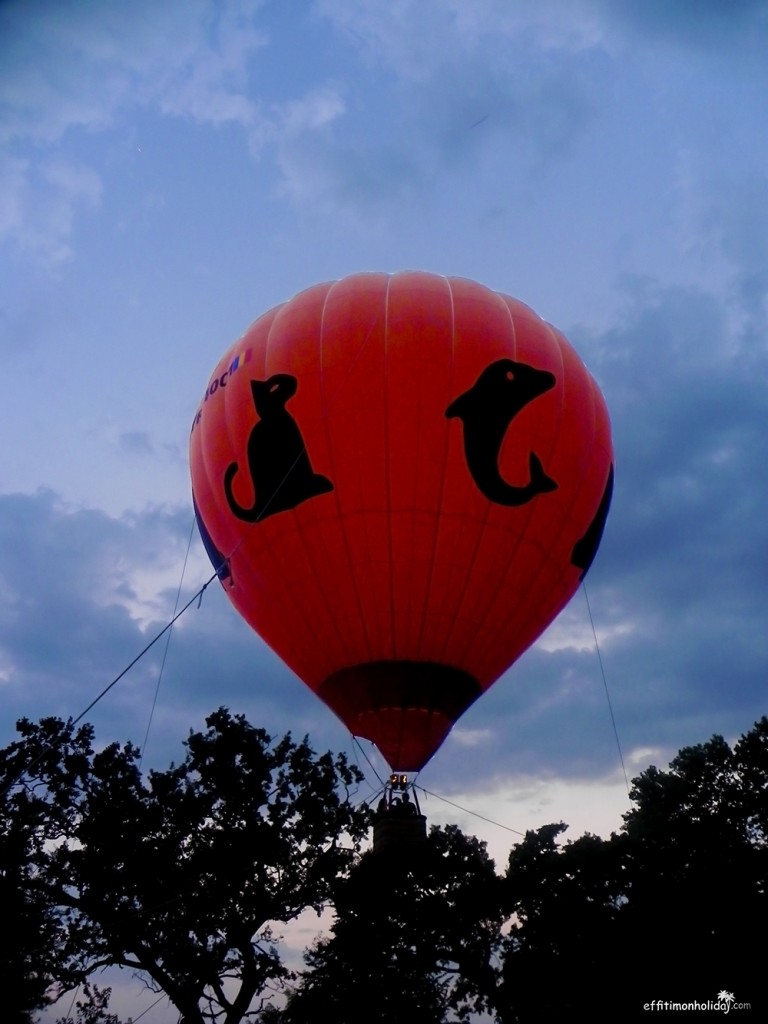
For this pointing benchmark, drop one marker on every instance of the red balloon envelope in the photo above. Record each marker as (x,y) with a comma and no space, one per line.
(401,480)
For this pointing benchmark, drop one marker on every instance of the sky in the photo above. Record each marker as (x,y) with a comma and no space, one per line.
(170,171)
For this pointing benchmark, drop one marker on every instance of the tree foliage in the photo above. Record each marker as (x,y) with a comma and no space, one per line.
(415,938)
(185,876)
(92,1007)
(34,966)
(182,876)
(696,846)
(667,908)
(566,901)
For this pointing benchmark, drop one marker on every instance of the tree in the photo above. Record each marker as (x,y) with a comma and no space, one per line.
(33,966)
(415,938)
(93,1008)
(667,908)
(695,862)
(184,875)
(561,953)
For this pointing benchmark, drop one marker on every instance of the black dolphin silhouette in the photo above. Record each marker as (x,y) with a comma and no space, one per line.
(280,470)
(486,410)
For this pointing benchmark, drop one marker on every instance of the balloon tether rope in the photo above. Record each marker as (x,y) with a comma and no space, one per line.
(168,643)
(605,685)
(141,654)
(474,814)
(361,748)
(73,721)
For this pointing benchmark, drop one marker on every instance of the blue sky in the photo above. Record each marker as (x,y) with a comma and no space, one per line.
(170,171)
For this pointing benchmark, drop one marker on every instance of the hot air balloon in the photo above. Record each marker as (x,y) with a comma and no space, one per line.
(401,480)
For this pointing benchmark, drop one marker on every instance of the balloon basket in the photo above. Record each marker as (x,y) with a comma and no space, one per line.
(392,834)
(399,826)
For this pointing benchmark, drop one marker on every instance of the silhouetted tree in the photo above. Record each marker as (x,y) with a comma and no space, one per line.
(695,860)
(565,900)
(34,968)
(93,1008)
(668,908)
(181,875)
(415,938)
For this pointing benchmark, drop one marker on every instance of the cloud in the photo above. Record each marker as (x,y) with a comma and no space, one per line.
(211,82)
(77,66)
(40,202)
(82,593)
(470,737)
(687,541)
(677,592)
(404,36)
(502,814)
(70,69)
(436,92)
(312,112)
(706,24)
(384,130)
(136,442)
(69,582)
(735,219)
(517,85)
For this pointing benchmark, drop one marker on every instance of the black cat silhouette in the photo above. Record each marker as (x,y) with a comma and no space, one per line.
(280,470)
(585,549)
(486,410)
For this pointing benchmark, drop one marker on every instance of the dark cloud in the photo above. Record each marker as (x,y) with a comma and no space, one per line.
(357,168)
(687,414)
(72,616)
(64,628)
(458,96)
(678,588)
(73,66)
(136,442)
(735,219)
(711,24)
(677,591)
(687,543)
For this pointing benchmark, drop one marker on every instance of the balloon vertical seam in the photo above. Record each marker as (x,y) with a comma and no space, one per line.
(443,476)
